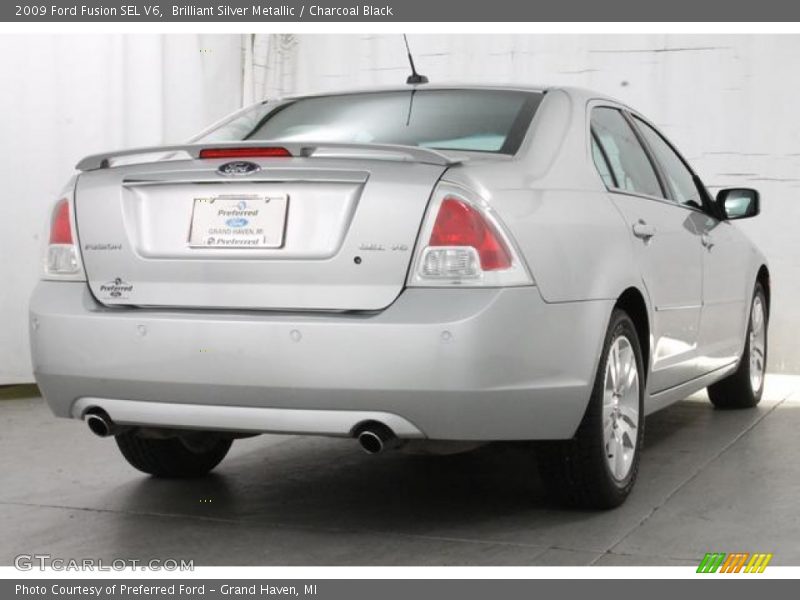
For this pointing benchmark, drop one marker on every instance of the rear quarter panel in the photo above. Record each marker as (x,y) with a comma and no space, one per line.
(555,205)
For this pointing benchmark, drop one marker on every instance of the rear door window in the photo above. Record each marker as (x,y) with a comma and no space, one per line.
(626,158)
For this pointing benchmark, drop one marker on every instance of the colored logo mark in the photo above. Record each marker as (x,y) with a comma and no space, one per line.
(737,562)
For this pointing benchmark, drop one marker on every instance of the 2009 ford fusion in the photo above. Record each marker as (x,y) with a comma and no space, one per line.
(419,266)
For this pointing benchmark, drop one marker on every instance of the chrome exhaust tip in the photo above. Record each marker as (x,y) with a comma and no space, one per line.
(376,437)
(371,442)
(100,424)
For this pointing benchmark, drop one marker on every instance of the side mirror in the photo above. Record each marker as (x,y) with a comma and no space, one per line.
(738,203)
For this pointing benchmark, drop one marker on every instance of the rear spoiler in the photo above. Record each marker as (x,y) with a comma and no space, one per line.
(106,160)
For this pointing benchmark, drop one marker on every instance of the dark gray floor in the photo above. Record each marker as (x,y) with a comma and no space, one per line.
(710,481)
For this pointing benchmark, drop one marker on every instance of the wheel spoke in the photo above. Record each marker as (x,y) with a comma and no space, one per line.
(611,447)
(609,387)
(629,415)
(632,374)
(614,366)
(628,432)
(757,318)
(608,414)
(627,370)
(621,364)
(619,462)
(608,430)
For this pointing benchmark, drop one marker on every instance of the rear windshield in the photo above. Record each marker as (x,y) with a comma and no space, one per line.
(469,120)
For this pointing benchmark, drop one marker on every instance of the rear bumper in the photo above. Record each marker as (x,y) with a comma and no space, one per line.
(468,364)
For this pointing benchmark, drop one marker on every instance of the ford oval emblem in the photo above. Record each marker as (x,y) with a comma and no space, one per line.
(236,222)
(238,167)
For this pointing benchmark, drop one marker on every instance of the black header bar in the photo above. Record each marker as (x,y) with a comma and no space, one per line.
(294,11)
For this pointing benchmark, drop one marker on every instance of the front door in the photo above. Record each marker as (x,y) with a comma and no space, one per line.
(726,293)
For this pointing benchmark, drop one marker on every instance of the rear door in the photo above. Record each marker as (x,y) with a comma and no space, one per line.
(665,241)
(292,233)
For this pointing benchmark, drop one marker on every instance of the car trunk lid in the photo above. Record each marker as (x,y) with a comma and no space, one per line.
(324,232)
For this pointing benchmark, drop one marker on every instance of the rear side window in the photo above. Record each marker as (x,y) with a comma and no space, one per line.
(678,175)
(601,162)
(459,119)
(626,158)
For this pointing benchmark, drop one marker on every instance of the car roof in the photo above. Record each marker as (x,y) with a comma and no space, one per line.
(576,93)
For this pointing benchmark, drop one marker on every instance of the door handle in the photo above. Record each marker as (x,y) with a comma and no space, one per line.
(643,231)
(706,240)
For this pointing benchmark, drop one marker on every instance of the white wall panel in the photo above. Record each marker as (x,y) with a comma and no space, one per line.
(728,101)
(62,97)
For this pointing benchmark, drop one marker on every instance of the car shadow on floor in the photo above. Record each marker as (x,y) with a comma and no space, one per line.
(333,482)
(325,481)
(330,487)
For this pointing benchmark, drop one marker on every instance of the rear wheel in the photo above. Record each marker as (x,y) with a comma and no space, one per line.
(744,387)
(598,467)
(192,455)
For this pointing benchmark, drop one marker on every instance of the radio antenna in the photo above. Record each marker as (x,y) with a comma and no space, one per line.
(415,78)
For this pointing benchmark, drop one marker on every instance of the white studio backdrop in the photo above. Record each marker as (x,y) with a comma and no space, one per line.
(65,96)
(727,101)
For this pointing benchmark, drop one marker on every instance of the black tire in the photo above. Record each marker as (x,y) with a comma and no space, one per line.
(576,471)
(175,457)
(736,390)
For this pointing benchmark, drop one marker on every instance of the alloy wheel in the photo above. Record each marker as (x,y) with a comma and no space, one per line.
(758,344)
(620,407)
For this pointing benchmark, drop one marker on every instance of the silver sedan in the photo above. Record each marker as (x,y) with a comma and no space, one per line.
(424,267)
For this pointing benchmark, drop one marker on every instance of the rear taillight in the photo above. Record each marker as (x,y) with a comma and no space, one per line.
(62,253)
(463,243)
(253,152)
(60,228)
(459,224)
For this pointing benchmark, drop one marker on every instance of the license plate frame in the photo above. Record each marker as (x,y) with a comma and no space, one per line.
(238,222)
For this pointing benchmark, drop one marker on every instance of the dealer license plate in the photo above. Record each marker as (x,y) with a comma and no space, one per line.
(246,221)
